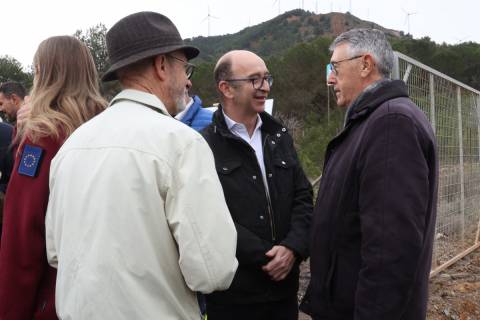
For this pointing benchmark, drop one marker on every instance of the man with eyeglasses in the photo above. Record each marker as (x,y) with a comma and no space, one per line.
(137,221)
(374,219)
(267,193)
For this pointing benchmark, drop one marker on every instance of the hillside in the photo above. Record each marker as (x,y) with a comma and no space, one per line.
(274,36)
(295,47)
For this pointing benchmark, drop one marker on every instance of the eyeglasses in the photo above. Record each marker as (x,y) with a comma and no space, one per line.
(189,67)
(332,66)
(257,82)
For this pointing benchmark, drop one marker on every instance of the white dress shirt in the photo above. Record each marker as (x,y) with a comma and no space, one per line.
(255,141)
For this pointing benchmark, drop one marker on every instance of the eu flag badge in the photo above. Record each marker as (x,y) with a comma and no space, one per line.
(30,161)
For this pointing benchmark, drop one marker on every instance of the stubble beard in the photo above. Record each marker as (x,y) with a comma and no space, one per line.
(180,103)
(178,97)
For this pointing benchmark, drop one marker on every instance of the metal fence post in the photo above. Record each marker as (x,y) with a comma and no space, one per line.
(406,75)
(434,127)
(432,103)
(462,177)
(477,108)
(396,67)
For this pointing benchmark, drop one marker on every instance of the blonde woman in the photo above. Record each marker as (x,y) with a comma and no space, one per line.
(65,94)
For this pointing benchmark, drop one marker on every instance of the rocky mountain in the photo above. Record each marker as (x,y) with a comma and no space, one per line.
(274,36)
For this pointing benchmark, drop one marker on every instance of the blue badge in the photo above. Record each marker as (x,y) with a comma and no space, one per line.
(30,160)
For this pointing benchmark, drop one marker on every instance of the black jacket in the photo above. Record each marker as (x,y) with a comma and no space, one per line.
(6,154)
(374,219)
(6,163)
(261,224)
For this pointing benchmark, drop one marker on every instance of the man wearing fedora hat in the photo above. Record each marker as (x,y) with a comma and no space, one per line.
(136,208)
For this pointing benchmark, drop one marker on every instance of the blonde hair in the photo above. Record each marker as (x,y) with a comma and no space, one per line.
(65,90)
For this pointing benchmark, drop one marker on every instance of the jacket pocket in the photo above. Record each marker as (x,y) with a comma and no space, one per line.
(284,174)
(237,187)
(227,167)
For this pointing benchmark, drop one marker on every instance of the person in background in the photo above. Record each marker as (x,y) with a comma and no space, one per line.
(137,220)
(12,95)
(65,94)
(194,115)
(374,219)
(6,163)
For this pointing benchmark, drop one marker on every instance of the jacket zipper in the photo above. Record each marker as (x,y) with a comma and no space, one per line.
(270,213)
(267,194)
(269,201)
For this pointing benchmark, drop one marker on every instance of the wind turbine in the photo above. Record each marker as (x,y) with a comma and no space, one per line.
(208,18)
(301,4)
(407,19)
(278,5)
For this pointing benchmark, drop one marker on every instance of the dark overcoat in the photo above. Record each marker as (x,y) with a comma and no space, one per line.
(374,218)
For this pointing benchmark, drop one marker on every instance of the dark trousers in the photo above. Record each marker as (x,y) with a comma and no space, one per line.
(277,310)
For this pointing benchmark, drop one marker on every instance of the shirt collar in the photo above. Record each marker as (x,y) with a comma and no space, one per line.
(231,124)
(141,97)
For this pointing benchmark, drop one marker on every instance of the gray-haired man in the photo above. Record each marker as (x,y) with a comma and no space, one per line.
(374,220)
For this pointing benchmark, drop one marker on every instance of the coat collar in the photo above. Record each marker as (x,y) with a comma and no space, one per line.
(144,98)
(192,110)
(373,96)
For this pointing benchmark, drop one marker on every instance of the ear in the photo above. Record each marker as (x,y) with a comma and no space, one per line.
(226,89)
(16,99)
(368,66)
(161,66)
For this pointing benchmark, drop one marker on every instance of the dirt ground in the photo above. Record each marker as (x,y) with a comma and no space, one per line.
(454,293)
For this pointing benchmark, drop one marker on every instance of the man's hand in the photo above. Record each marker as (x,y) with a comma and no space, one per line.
(281,263)
(24,112)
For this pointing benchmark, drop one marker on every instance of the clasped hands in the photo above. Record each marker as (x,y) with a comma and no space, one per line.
(282,260)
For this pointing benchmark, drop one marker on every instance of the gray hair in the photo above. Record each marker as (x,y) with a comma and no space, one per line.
(371,41)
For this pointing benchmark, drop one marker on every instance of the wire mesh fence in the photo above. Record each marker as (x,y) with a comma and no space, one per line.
(453,110)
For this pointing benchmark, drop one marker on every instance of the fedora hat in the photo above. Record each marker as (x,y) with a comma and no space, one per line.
(142,35)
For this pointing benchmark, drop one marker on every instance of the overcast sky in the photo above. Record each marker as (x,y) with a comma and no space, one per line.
(25,24)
